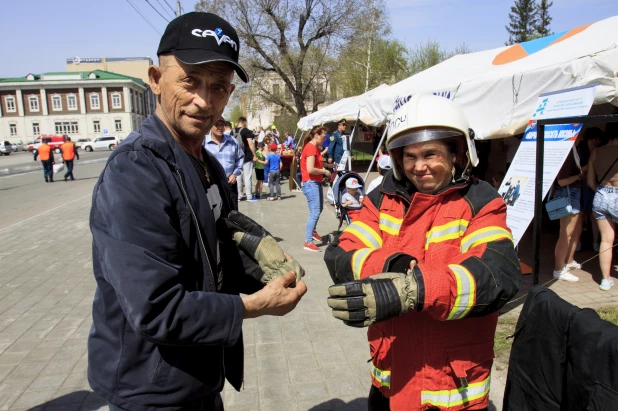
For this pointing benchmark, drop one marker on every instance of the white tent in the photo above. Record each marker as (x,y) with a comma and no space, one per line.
(347,108)
(498,88)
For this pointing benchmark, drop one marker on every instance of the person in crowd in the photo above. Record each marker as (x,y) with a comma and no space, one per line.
(568,184)
(259,170)
(512,145)
(384,166)
(603,178)
(427,265)
(167,314)
(592,138)
(275,133)
(229,131)
(260,134)
(352,199)
(335,146)
(69,154)
(227,152)
(496,179)
(45,152)
(274,173)
(244,137)
(313,173)
(289,141)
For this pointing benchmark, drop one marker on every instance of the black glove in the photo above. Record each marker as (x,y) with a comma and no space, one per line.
(255,241)
(373,299)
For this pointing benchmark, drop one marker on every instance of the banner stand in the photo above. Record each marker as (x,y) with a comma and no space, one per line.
(373,160)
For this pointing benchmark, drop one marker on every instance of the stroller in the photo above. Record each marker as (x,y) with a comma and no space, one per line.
(338,189)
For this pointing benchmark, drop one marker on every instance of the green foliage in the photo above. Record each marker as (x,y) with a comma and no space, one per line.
(286,123)
(609,313)
(428,54)
(522,22)
(234,113)
(543,18)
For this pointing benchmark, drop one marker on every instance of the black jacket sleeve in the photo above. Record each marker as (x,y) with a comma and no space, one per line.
(139,248)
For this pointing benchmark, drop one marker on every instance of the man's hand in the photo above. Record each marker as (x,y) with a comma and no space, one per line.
(232,179)
(255,158)
(327,173)
(276,298)
(257,243)
(373,299)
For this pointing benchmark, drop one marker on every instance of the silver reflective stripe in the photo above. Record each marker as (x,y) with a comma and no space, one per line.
(383,377)
(391,227)
(463,300)
(367,235)
(484,235)
(357,261)
(459,396)
(436,233)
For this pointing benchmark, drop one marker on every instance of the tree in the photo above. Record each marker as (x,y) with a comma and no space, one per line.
(426,55)
(289,41)
(234,113)
(522,23)
(543,18)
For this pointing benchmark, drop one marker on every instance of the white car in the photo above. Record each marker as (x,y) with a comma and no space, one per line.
(101,143)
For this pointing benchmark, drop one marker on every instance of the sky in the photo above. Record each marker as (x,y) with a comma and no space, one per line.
(39,35)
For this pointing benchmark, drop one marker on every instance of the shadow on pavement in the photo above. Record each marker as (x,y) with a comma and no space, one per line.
(83,400)
(359,404)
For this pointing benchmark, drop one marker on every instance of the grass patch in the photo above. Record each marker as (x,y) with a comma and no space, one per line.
(609,313)
(502,346)
(361,156)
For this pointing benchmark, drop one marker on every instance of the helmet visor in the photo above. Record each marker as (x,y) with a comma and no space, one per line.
(420,136)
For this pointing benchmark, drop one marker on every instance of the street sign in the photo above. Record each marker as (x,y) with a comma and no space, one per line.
(105,131)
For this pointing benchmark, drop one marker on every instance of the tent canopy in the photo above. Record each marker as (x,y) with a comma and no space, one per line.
(347,108)
(498,88)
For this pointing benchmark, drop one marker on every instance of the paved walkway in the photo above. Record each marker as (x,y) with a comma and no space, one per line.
(304,361)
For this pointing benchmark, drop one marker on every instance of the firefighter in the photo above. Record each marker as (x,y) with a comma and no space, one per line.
(69,154)
(47,160)
(427,265)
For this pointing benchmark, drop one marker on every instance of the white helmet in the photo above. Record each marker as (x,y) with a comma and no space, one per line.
(424,118)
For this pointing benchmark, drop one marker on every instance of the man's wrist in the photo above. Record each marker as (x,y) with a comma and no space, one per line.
(251,306)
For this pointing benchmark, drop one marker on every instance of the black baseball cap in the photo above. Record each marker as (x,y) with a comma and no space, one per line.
(197,38)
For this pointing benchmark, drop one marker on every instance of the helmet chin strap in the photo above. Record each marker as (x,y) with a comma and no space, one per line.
(465,177)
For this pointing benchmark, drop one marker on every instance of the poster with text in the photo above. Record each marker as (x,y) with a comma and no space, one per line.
(517,188)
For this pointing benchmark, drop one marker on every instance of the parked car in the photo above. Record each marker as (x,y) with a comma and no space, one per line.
(19,146)
(6,148)
(101,143)
(54,140)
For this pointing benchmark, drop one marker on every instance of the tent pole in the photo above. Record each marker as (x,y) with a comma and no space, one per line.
(296,142)
(538,202)
(375,155)
(351,137)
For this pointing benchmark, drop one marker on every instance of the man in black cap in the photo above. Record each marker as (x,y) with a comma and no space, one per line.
(169,251)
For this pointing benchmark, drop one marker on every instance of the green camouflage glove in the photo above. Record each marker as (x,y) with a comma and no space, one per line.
(257,243)
(374,299)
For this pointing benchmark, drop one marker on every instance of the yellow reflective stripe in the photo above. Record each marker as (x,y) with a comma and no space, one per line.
(450,231)
(390,224)
(365,233)
(484,235)
(382,377)
(466,289)
(458,396)
(358,259)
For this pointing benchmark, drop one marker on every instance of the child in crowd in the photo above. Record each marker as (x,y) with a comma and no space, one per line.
(259,169)
(384,166)
(274,173)
(352,199)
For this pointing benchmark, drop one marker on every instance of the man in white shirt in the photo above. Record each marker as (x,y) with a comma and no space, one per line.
(384,166)
(260,130)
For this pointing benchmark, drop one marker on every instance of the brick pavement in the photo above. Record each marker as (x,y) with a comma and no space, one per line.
(304,361)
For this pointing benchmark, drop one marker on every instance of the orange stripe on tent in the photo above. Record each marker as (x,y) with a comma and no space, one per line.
(510,55)
(570,34)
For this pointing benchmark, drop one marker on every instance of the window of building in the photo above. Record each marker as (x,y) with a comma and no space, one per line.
(66,127)
(10,104)
(72,102)
(116,101)
(97,126)
(95,102)
(118,125)
(57,102)
(36,129)
(34,103)
(13,129)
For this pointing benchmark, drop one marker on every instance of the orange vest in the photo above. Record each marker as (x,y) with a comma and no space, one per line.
(441,356)
(44,150)
(68,151)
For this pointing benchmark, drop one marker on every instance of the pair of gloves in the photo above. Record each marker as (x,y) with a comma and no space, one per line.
(259,245)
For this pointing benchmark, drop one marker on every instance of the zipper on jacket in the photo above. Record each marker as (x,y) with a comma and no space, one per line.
(197,225)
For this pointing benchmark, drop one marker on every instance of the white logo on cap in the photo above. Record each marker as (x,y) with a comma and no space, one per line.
(217,34)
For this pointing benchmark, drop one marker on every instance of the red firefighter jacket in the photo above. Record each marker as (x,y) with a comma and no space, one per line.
(440,355)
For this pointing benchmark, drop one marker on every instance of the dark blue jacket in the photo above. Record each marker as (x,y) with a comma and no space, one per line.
(162,336)
(335,147)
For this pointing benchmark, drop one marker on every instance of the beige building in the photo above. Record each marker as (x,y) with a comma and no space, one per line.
(129,66)
(84,104)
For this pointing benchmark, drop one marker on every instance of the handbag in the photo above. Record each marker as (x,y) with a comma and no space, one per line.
(560,206)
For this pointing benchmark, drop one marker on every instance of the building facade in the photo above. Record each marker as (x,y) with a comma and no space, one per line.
(84,104)
(129,66)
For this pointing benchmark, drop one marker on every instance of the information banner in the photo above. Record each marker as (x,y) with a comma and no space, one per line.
(517,189)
